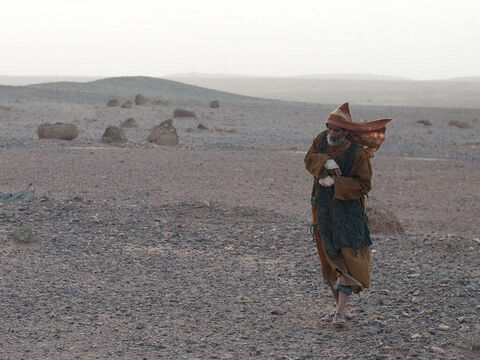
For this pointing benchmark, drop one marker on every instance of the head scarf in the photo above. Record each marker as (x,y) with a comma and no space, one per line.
(369,134)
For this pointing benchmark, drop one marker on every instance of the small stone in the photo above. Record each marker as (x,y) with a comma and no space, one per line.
(278,312)
(415,336)
(214,104)
(460,124)
(205,203)
(127,104)
(167,235)
(437,350)
(113,102)
(443,327)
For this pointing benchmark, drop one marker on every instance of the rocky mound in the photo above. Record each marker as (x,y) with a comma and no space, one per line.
(113,135)
(382,220)
(164,134)
(129,123)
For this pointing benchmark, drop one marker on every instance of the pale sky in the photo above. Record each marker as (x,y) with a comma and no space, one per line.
(419,39)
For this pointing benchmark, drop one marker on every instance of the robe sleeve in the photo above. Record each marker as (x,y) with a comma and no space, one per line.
(314,161)
(358,183)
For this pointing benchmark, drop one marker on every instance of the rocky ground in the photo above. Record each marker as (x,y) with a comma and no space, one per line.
(202,251)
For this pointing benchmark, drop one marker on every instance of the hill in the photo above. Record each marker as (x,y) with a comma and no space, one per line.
(99,91)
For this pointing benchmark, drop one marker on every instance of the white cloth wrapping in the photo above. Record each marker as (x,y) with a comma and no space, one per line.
(330,164)
(327,181)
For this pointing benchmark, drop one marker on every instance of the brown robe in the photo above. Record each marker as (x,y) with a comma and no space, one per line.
(354,186)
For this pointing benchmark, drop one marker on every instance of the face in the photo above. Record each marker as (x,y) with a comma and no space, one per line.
(335,132)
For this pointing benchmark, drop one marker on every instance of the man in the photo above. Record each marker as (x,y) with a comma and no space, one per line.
(339,160)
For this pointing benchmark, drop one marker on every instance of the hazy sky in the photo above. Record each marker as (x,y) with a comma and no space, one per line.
(420,39)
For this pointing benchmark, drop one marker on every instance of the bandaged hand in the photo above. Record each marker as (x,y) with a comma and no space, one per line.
(332,167)
(327,181)
(330,164)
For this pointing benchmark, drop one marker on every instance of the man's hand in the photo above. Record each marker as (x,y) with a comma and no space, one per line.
(327,181)
(332,168)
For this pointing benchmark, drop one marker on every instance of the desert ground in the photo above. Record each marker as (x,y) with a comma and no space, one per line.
(202,250)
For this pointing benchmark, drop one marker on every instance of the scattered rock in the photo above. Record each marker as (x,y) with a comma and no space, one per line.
(59,131)
(113,134)
(167,235)
(160,102)
(202,127)
(127,104)
(164,134)
(437,350)
(22,195)
(443,327)
(278,312)
(214,104)
(381,219)
(140,99)
(227,130)
(375,326)
(460,124)
(425,122)
(129,123)
(178,112)
(113,102)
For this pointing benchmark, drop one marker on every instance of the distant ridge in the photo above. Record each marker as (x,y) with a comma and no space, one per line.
(99,91)
(11,80)
(195,75)
(466,79)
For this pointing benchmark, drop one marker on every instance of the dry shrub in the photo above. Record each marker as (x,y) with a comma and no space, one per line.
(23,235)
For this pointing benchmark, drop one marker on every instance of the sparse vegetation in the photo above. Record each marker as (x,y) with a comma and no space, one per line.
(23,235)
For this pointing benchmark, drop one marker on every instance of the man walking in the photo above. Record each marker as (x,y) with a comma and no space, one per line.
(339,160)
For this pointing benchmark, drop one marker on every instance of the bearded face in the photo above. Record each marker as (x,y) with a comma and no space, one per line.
(335,135)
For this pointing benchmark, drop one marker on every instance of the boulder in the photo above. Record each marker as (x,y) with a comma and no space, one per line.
(113,135)
(127,104)
(202,127)
(425,122)
(214,104)
(460,124)
(164,134)
(140,100)
(381,219)
(113,102)
(183,113)
(60,131)
(129,123)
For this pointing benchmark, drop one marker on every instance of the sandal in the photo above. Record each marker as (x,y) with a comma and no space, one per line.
(338,320)
(328,317)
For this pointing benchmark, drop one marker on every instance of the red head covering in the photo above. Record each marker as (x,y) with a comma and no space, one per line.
(369,134)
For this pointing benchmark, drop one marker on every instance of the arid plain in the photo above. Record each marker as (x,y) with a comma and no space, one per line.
(203,251)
